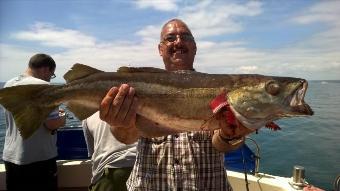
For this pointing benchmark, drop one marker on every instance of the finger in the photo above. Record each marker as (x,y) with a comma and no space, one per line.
(106,103)
(118,101)
(125,107)
(131,115)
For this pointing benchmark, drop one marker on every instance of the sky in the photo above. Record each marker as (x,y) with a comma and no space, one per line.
(279,38)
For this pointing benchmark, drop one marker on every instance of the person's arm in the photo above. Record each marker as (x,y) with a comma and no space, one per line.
(88,138)
(118,109)
(56,120)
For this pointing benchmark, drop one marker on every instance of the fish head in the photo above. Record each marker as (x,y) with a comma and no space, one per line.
(264,100)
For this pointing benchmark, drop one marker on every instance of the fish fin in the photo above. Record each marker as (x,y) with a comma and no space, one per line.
(23,103)
(79,71)
(80,111)
(125,69)
(273,126)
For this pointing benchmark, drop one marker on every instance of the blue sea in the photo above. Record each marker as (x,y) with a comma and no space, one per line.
(312,142)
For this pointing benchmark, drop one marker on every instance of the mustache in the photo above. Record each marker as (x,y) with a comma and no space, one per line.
(174,49)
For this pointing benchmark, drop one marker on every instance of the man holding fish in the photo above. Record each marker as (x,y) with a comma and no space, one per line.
(180,161)
(180,139)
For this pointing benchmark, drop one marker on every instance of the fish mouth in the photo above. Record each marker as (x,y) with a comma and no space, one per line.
(297,103)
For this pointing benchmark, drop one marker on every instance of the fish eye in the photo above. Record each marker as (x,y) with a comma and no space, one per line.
(272,87)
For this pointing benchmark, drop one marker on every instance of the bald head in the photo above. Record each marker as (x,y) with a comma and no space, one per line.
(175,21)
(177,46)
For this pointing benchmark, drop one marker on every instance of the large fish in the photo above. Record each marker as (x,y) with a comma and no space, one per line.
(176,100)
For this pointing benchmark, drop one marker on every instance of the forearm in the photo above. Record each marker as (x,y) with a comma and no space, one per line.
(54,124)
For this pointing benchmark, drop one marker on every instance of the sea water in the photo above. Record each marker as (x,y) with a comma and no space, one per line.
(312,142)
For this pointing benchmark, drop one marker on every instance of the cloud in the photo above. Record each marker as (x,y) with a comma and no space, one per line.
(107,57)
(150,32)
(314,57)
(49,35)
(325,12)
(248,69)
(209,18)
(161,5)
(321,51)
(13,60)
(78,48)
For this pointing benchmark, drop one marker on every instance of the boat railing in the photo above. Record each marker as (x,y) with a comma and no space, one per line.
(257,156)
(337,183)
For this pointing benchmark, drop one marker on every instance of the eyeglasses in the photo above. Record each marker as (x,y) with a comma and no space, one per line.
(53,76)
(173,37)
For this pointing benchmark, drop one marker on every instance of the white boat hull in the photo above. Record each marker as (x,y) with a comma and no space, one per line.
(76,174)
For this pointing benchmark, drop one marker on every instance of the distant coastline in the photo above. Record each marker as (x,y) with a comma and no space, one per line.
(330,81)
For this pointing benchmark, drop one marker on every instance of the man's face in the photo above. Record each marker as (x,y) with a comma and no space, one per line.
(177,47)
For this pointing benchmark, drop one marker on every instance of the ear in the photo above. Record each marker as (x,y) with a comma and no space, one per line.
(160,49)
(195,48)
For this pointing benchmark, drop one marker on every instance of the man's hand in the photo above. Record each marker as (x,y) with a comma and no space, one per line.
(57,122)
(228,131)
(229,137)
(118,108)
(234,132)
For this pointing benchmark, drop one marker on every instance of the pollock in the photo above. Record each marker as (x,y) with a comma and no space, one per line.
(171,100)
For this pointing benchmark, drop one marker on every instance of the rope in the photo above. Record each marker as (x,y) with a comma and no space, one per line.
(245,170)
(337,184)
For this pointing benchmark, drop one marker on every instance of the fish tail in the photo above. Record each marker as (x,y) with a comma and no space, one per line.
(25,104)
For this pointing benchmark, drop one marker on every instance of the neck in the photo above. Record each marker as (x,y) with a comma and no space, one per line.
(30,72)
